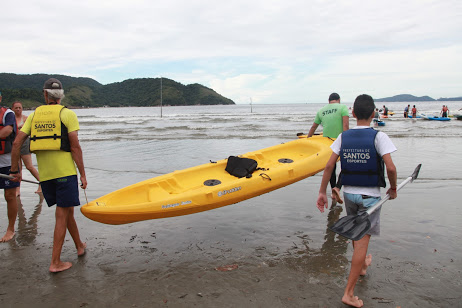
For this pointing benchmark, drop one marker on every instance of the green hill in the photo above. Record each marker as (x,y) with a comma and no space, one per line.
(412,98)
(447,99)
(86,92)
(405,98)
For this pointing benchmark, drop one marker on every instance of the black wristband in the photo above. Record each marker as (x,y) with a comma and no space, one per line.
(14,172)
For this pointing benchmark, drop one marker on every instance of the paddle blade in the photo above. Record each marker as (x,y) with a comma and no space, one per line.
(353,227)
(415,174)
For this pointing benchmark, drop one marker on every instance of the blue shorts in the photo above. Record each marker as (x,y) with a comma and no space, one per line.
(356,204)
(6,183)
(64,192)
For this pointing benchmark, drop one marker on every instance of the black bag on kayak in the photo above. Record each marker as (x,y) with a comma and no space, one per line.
(241,166)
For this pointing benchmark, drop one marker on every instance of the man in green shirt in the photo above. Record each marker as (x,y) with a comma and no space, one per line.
(334,118)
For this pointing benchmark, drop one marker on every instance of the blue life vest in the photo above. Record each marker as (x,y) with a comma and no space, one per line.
(361,164)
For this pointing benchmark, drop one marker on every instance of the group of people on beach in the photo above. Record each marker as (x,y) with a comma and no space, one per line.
(51,132)
(361,179)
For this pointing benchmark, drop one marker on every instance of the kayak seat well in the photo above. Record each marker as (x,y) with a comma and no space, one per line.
(171,186)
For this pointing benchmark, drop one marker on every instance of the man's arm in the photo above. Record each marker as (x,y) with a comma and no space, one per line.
(77,156)
(15,154)
(312,129)
(322,197)
(392,175)
(6,131)
(346,123)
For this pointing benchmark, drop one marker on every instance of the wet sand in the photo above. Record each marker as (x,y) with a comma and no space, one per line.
(278,255)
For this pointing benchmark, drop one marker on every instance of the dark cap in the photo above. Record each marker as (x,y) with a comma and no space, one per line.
(53,84)
(333,97)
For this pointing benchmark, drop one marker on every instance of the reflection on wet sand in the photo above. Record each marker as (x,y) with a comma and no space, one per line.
(329,259)
(27,228)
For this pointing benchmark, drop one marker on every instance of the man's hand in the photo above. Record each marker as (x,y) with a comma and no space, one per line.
(83,181)
(392,193)
(16,177)
(322,202)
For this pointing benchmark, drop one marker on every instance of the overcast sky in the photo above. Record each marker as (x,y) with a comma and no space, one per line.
(272,51)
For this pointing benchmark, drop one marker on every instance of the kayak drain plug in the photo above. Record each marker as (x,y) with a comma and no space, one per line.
(212,182)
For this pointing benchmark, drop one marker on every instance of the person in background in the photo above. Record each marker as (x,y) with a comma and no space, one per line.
(57,159)
(334,118)
(376,120)
(444,111)
(414,112)
(385,110)
(377,114)
(406,111)
(7,135)
(26,156)
(361,179)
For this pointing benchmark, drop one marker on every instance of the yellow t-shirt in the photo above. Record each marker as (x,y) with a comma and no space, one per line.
(55,164)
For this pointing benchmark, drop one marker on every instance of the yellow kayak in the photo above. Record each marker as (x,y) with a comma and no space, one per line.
(209,186)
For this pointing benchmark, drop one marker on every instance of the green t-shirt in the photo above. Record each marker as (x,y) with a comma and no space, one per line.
(331,119)
(55,164)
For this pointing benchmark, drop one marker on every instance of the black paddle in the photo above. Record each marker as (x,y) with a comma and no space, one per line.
(355,227)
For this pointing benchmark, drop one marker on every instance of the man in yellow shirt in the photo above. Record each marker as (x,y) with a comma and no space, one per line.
(54,139)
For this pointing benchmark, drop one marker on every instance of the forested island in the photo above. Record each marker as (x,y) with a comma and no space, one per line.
(84,92)
(412,98)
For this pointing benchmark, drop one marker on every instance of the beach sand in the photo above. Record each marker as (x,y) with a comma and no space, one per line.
(270,251)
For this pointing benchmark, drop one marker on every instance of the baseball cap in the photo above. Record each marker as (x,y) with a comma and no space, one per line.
(333,97)
(53,84)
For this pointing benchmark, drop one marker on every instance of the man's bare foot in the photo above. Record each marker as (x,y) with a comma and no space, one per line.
(352,301)
(62,266)
(8,236)
(336,195)
(81,249)
(367,263)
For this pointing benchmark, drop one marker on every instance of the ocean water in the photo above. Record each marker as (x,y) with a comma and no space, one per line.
(124,141)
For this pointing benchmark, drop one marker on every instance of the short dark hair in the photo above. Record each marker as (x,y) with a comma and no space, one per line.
(333,97)
(363,107)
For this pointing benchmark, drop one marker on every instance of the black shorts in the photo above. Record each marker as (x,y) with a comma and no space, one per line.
(6,183)
(64,192)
